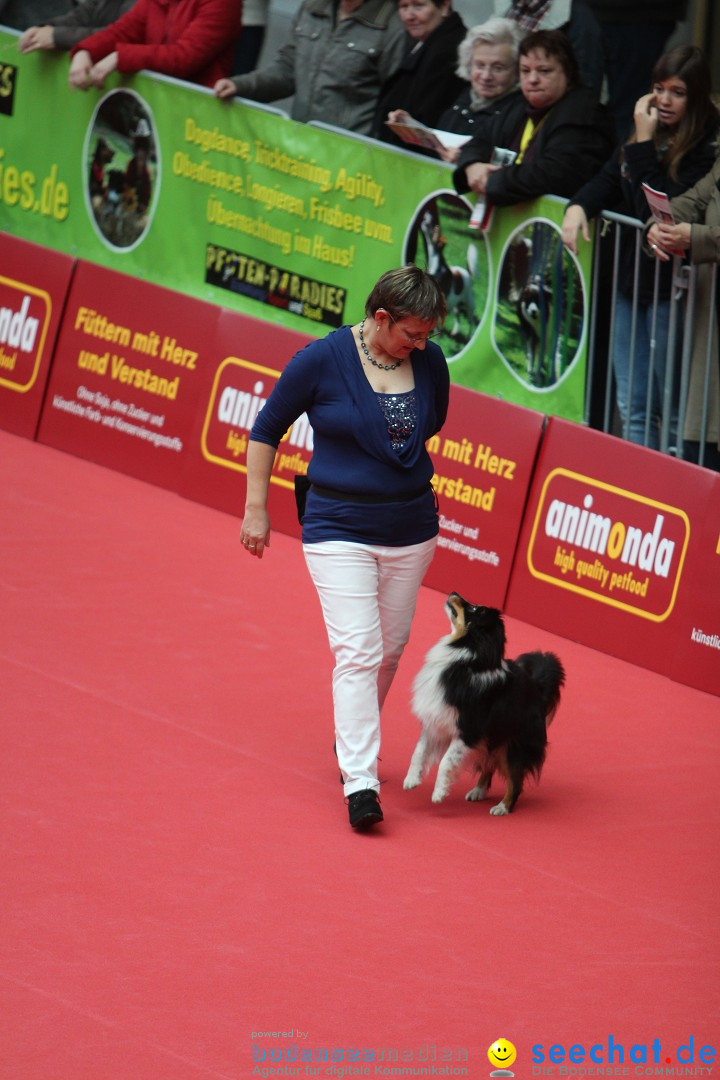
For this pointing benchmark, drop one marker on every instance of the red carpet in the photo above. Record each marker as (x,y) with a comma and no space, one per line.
(177,870)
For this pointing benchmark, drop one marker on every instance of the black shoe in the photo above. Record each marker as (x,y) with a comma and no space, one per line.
(364,808)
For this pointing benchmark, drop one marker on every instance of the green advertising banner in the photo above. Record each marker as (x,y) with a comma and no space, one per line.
(238,205)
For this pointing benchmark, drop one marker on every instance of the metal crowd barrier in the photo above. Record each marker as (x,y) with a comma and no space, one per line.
(600,404)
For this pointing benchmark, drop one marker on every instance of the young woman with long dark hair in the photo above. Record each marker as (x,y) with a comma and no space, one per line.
(673,145)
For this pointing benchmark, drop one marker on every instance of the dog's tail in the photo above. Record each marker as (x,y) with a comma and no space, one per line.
(548,674)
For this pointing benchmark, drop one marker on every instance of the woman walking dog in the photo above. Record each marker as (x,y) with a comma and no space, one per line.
(373,393)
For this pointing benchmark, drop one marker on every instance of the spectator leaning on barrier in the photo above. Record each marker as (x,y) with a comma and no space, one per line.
(488,61)
(697,231)
(672,147)
(334,64)
(64,31)
(425,83)
(188,39)
(557,128)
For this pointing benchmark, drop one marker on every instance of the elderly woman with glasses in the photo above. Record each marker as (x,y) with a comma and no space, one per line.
(374,393)
(487,64)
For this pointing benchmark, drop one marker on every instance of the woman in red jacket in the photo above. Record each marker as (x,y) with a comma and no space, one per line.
(188,39)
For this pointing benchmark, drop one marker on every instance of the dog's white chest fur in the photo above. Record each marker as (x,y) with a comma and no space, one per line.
(428,700)
(439,737)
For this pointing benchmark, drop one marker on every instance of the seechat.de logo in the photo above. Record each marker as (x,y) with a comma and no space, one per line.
(608,544)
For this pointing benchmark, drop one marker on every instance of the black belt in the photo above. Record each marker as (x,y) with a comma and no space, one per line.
(355,497)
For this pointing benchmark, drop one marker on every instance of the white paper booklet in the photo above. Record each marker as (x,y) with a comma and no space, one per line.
(416,134)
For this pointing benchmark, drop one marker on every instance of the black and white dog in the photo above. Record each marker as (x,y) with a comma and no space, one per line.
(533,312)
(472,702)
(456,282)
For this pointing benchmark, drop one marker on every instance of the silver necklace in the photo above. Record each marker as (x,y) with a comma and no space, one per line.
(363,346)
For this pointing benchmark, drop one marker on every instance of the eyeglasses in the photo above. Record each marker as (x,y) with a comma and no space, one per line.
(414,339)
(491,69)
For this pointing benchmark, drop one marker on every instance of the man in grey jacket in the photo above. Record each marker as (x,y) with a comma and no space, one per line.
(334,64)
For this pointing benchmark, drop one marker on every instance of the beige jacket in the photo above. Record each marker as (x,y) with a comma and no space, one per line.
(700,206)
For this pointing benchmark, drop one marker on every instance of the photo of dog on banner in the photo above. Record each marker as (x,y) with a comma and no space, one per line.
(439,242)
(540,310)
(122,170)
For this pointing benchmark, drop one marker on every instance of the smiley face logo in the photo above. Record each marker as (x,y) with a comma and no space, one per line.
(502,1054)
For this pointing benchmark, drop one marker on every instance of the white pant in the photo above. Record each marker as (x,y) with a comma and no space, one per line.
(368,597)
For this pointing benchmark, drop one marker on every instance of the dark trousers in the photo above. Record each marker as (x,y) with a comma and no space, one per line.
(248,49)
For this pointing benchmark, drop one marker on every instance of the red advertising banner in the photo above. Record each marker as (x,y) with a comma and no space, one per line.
(696,661)
(33,287)
(611,545)
(247,357)
(130,368)
(483,460)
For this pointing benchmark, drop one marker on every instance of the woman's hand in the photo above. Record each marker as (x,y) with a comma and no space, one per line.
(574,222)
(645,117)
(450,154)
(477,175)
(36,37)
(103,68)
(224,88)
(653,242)
(255,528)
(665,241)
(399,116)
(80,68)
(255,531)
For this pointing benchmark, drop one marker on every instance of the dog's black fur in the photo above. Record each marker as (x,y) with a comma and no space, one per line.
(533,311)
(470,699)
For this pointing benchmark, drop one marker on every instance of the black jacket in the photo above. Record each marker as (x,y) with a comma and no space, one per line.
(425,84)
(618,187)
(573,141)
(461,119)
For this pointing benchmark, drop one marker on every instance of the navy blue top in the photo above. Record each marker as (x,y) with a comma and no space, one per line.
(352,450)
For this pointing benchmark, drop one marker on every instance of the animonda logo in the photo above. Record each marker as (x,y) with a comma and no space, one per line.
(24,319)
(239,392)
(608,544)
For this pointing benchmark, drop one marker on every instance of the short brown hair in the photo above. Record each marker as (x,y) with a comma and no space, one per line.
(407,292)
(554,43)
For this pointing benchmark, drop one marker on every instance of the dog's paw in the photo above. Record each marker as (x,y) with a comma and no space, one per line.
(477,794)
(412,780)
(500,810)
(438,795)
